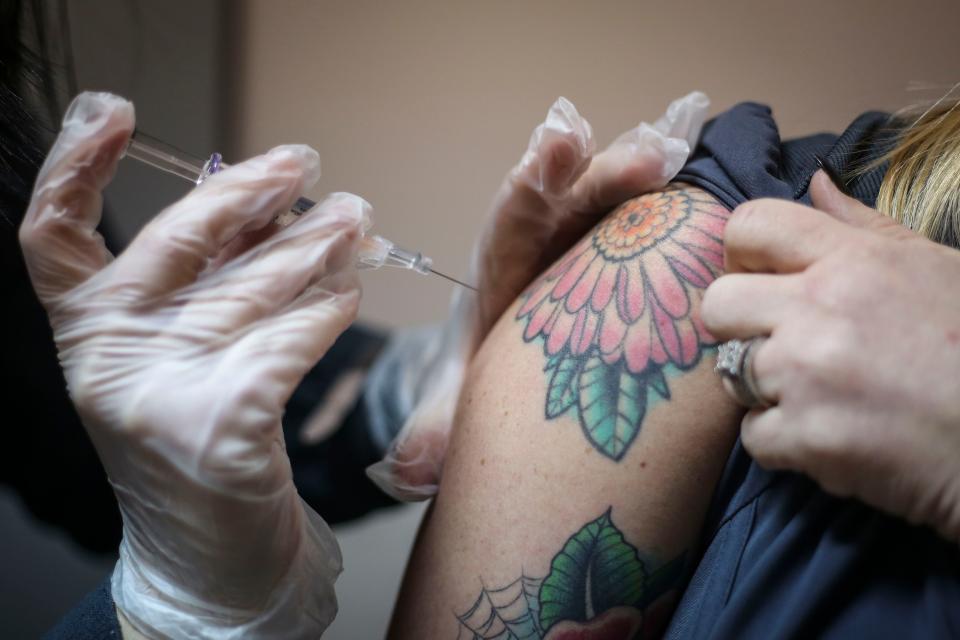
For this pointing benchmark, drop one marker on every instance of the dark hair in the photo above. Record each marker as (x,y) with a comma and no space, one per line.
(35,75)
(51,465)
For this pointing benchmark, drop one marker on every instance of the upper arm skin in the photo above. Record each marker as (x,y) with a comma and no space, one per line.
(589,436)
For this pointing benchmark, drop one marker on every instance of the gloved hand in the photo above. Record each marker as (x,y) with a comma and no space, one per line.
(179,356)
(556,193)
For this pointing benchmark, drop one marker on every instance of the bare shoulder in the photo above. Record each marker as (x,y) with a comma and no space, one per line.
(618,315)
(588,436)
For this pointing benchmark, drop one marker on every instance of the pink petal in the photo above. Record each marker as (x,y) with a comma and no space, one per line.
(604,289)
(637,345)
(667,331)
(539,319)
(657,352)
(670,292)
(585,286)
(561,265)
(570,278)
(560,332)
(712,258)
(612,331)
(712,225)
(551,323)
(687,265)
(611,358)
(538,291)
(584,330)
(705,337)
(630,291)
(694,238)
(689,344)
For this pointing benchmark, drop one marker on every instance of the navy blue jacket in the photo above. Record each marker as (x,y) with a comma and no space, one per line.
(781,558)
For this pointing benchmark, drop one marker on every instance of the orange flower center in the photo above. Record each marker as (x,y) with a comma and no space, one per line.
(639,224)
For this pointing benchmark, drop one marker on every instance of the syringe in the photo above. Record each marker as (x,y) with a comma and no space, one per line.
(375,251)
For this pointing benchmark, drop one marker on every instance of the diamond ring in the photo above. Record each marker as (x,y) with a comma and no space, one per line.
(735,366)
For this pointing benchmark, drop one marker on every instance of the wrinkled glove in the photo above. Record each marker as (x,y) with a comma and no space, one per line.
(557,192)
(180,355)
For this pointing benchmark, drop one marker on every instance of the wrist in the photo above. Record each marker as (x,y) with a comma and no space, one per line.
(301,604)
(127,630)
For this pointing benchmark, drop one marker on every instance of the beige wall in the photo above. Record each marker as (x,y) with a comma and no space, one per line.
(164,55)
(422,106)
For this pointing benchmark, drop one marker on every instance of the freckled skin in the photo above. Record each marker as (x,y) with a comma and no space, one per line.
(497,532)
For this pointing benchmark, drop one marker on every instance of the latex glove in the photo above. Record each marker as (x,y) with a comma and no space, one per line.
(179,356)
(548,201)
(863,361)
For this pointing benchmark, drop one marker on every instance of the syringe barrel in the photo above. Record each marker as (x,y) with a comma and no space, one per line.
(376,251)
(399,257)
(164,157)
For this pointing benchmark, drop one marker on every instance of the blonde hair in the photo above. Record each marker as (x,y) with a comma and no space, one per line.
(921,187)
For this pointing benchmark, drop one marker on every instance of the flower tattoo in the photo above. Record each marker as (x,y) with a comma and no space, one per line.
(622,308)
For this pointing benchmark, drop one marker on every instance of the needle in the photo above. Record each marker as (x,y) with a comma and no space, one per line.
(454,280)
(376,251)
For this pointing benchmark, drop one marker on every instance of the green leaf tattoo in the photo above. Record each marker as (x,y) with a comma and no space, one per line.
(611,403)
(621,310)
(598,587)
(596,570)
(562,392)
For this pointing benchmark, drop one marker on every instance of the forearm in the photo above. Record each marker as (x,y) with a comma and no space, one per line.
(595,501)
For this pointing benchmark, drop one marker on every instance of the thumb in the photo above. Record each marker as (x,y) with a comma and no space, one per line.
(829,199)
(60,242)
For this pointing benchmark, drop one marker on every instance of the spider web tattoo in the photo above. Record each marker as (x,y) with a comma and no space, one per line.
(621,312)
(509,613)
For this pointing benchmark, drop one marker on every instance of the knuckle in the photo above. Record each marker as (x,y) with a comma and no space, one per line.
(39,228)
(820,358)
(831,292)
(753,214)
(748,228)
(845,287)
(768,359)
(763,446)
(824,444)
(811,355)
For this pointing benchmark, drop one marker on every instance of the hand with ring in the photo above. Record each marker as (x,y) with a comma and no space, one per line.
(735,365)
(848,352)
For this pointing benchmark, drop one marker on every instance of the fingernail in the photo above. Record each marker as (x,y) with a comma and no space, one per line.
(832,174)
(306,156)
(92,108)
(564,117)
